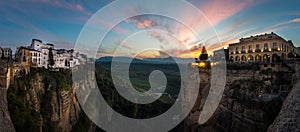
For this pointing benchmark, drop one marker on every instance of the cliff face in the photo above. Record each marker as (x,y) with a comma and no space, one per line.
(6,124)
(289,116)
(251,101)
(240,110)
(43,101)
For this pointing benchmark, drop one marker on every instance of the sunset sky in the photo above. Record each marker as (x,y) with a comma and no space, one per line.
(60,22)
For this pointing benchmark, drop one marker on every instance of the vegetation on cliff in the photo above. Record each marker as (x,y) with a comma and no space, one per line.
(23,109)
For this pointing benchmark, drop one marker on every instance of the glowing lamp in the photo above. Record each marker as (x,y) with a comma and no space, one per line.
(202,64)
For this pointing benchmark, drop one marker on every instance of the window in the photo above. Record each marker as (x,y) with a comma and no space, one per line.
(250,48)
(275,47)
(266,48)
(237,50)
(257,48)
(243,49)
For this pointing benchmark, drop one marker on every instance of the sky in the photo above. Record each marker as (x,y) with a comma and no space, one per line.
(148,35)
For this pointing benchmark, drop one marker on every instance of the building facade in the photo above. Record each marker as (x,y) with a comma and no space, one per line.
(42,54)
(1,52)
(38,55)
(6,53)
(261,48)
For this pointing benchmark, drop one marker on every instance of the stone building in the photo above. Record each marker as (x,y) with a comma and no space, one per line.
(261,48)
(38,55)
(6,53)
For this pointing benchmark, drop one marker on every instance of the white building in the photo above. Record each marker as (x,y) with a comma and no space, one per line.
(36,57)
(67,58)
(44,49)
(37,54)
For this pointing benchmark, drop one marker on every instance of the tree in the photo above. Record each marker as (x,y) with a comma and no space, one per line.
(51,59)
(203,55)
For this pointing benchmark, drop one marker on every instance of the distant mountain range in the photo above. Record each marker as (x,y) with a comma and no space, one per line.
(168,60)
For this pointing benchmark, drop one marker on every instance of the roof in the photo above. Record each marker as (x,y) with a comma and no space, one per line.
(50,44)
(28,49)
(37,40)
(5,48)
(260,37)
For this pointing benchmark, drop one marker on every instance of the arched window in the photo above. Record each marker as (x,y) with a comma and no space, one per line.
(244,58)
(250,58)
(257,58)
(237,58)
(231,59)
(266,58)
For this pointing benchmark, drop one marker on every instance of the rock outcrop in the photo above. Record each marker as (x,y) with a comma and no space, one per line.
(251,101)
(48,98)
(6,124)
(289,116)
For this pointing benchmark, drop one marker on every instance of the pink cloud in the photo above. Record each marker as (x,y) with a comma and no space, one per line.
(217,10)
(79,7)
(142,22)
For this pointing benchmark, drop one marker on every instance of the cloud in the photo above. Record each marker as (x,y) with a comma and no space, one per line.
(141,24)
(174,28)
(124,44)
(79,7)
(217,10)
(141,21)
(158,36)
(295,20)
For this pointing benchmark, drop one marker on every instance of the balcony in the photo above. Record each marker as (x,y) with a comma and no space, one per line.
(258,50)
(250,51)
(243,52)
(237,52)
(275,49)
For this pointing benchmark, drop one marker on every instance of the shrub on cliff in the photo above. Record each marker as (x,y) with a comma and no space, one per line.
(22,114)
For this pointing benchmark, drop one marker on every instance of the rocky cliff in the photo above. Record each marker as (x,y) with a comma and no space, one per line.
(289,116)
(6,124)
(251,101)
(43,101)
